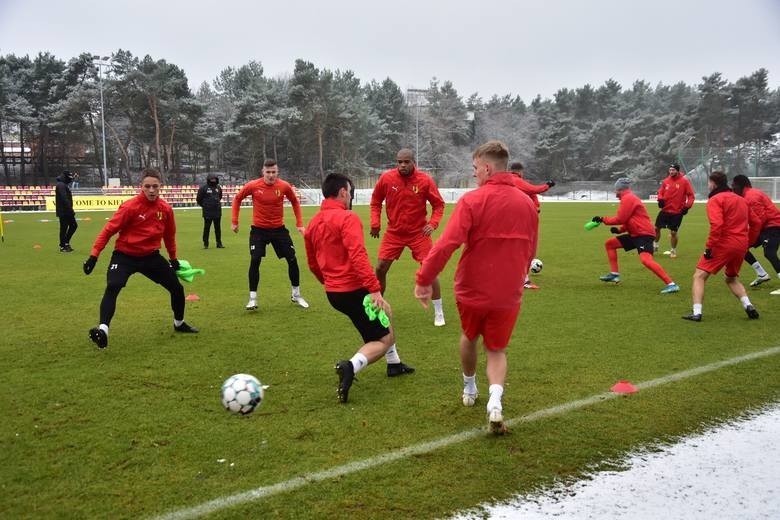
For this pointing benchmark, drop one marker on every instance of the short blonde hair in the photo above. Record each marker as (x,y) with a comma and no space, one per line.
(494,152)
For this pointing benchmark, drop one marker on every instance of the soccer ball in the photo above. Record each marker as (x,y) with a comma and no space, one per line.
(536,265)
(241,394)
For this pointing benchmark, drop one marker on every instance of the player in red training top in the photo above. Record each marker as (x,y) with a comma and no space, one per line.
(336,254)
(764,228)
(727,242)
(405,191)
(268,194)
(634,221)
(675,198)
(532,190)
(142,223)
(498,225)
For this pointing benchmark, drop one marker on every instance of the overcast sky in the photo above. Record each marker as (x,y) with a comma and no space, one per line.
(486,46)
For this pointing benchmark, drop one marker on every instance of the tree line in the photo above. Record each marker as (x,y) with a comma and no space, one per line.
(314,121)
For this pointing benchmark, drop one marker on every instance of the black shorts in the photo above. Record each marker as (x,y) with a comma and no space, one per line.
(642,244)
(279,238)
(153,266)
(769,237)
(351,304)
(671,221)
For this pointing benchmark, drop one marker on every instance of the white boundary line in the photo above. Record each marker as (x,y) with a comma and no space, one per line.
(259,493)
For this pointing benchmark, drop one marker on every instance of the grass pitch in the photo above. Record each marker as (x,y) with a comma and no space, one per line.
(137,430)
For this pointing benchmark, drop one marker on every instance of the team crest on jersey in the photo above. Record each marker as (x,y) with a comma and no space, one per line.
(159,215)
(278,193)
(415,189)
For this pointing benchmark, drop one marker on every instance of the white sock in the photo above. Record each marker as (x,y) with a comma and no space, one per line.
(655,244)
(296,290)
(673,250)
(252,295)
(391,356)
(470,384)
(437,306)
(759,269)
(745,301)
(104,328)
(496,392)
(359,362)
(697,308)
(176,323)
(671,283)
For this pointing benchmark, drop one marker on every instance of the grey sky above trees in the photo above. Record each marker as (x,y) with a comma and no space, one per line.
(492,47)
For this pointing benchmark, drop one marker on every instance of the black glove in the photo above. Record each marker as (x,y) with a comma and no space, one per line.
(614,230)
(685,211)
(550,183)
(661,203)
(596,219)
(174,264)
(708,253)
(89,264)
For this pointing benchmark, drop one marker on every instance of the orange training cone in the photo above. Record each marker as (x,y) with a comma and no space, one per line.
(193,298)
(624,387)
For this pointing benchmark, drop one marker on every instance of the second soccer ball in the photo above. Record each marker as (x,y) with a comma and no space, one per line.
(536,265)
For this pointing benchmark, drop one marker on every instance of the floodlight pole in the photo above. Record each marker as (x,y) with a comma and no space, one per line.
(100,65)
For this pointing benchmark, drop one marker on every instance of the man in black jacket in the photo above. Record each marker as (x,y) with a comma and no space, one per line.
(210,199)
(64,204)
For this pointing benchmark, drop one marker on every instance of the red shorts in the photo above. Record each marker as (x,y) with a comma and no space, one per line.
(731,259)
(494,325)
(393,245)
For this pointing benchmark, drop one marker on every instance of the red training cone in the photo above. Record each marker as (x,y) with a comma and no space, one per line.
(193,298)
(624,387)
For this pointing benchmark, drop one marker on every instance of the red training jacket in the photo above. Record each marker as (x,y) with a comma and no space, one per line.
(677,194)
(267,203)
(404,198)
(632,216)
(141,226)
(336,251)
(763,212)
(499,226)
(532,190)
(729,215)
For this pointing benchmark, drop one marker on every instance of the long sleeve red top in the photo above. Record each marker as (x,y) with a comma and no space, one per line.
(499,226)
(336,251)
(405,202)
(729,218)
(141,225)
(677,194)
(767,214)
(632,216)
(532,190)
(267,203)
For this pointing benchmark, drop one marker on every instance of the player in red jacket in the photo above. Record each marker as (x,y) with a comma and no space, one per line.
(634,221)
(268,194)
(764,228)
(727,242)
(532,190)
(405,191)
(675,198)
(336,254)
(142,223)
(498,224)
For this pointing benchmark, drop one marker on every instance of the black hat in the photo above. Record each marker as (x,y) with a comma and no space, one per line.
(675,165)
(68,175)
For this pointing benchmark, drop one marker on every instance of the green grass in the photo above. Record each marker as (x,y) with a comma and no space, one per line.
(137,430)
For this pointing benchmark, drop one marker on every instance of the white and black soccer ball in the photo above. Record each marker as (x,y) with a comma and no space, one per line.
(242,393)
(536,265)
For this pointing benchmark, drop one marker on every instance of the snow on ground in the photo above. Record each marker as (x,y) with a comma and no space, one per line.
(730,472)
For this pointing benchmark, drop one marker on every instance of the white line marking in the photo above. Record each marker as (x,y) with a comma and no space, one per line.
(418,449)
